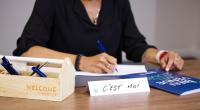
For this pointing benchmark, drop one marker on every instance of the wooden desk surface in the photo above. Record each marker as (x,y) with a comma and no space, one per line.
(80,100)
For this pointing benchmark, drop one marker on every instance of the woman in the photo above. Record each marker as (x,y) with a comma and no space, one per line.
(82,29)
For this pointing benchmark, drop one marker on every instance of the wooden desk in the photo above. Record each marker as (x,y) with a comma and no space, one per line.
(80,100)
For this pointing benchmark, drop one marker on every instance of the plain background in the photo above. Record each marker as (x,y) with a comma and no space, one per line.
(168,24)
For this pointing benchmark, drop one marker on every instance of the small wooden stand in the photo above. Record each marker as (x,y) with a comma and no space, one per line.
(50,88)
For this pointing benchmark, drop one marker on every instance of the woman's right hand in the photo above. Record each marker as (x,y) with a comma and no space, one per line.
(101,63)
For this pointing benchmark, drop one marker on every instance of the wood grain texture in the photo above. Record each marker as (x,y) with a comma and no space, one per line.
(80,100)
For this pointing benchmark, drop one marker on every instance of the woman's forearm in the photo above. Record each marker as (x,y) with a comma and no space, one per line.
(150,55)
(101,63)
(39,51)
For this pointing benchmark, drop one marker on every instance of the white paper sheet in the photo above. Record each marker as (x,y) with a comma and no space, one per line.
(122,70)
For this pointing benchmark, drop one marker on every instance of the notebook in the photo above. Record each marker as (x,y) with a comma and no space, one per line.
(172,82)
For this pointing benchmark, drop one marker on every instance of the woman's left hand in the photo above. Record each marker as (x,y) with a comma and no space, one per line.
(172,61)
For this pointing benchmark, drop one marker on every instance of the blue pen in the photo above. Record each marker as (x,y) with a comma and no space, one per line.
(37,70)
(8,66)
(39,67)
(102,48)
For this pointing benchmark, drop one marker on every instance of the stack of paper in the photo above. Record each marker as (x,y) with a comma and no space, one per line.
(83,77)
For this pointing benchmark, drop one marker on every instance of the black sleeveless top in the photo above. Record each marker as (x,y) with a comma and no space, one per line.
(64,25)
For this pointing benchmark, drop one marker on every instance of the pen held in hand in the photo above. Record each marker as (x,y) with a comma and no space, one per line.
(103,49)
(100,46)
(116,70)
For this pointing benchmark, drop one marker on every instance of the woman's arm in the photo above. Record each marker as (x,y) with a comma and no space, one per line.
(150,55)
(101,63)
(39,51)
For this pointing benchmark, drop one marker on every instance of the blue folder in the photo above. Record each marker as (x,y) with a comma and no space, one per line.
(172,82)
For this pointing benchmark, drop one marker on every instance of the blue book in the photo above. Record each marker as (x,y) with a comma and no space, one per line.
(172,82)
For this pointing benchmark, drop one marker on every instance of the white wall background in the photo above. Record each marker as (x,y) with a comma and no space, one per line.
(178,26)
(145,15)
(13,16)
(169,24)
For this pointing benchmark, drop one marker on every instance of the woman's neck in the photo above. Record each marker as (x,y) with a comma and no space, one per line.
(93,8)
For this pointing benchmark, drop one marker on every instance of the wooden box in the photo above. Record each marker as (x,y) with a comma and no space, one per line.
(59,84)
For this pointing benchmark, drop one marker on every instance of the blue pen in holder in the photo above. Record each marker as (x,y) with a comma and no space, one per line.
(8,66)
(37,70)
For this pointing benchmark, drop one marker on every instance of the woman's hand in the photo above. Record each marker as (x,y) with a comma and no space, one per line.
(101,63)
(171,61)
